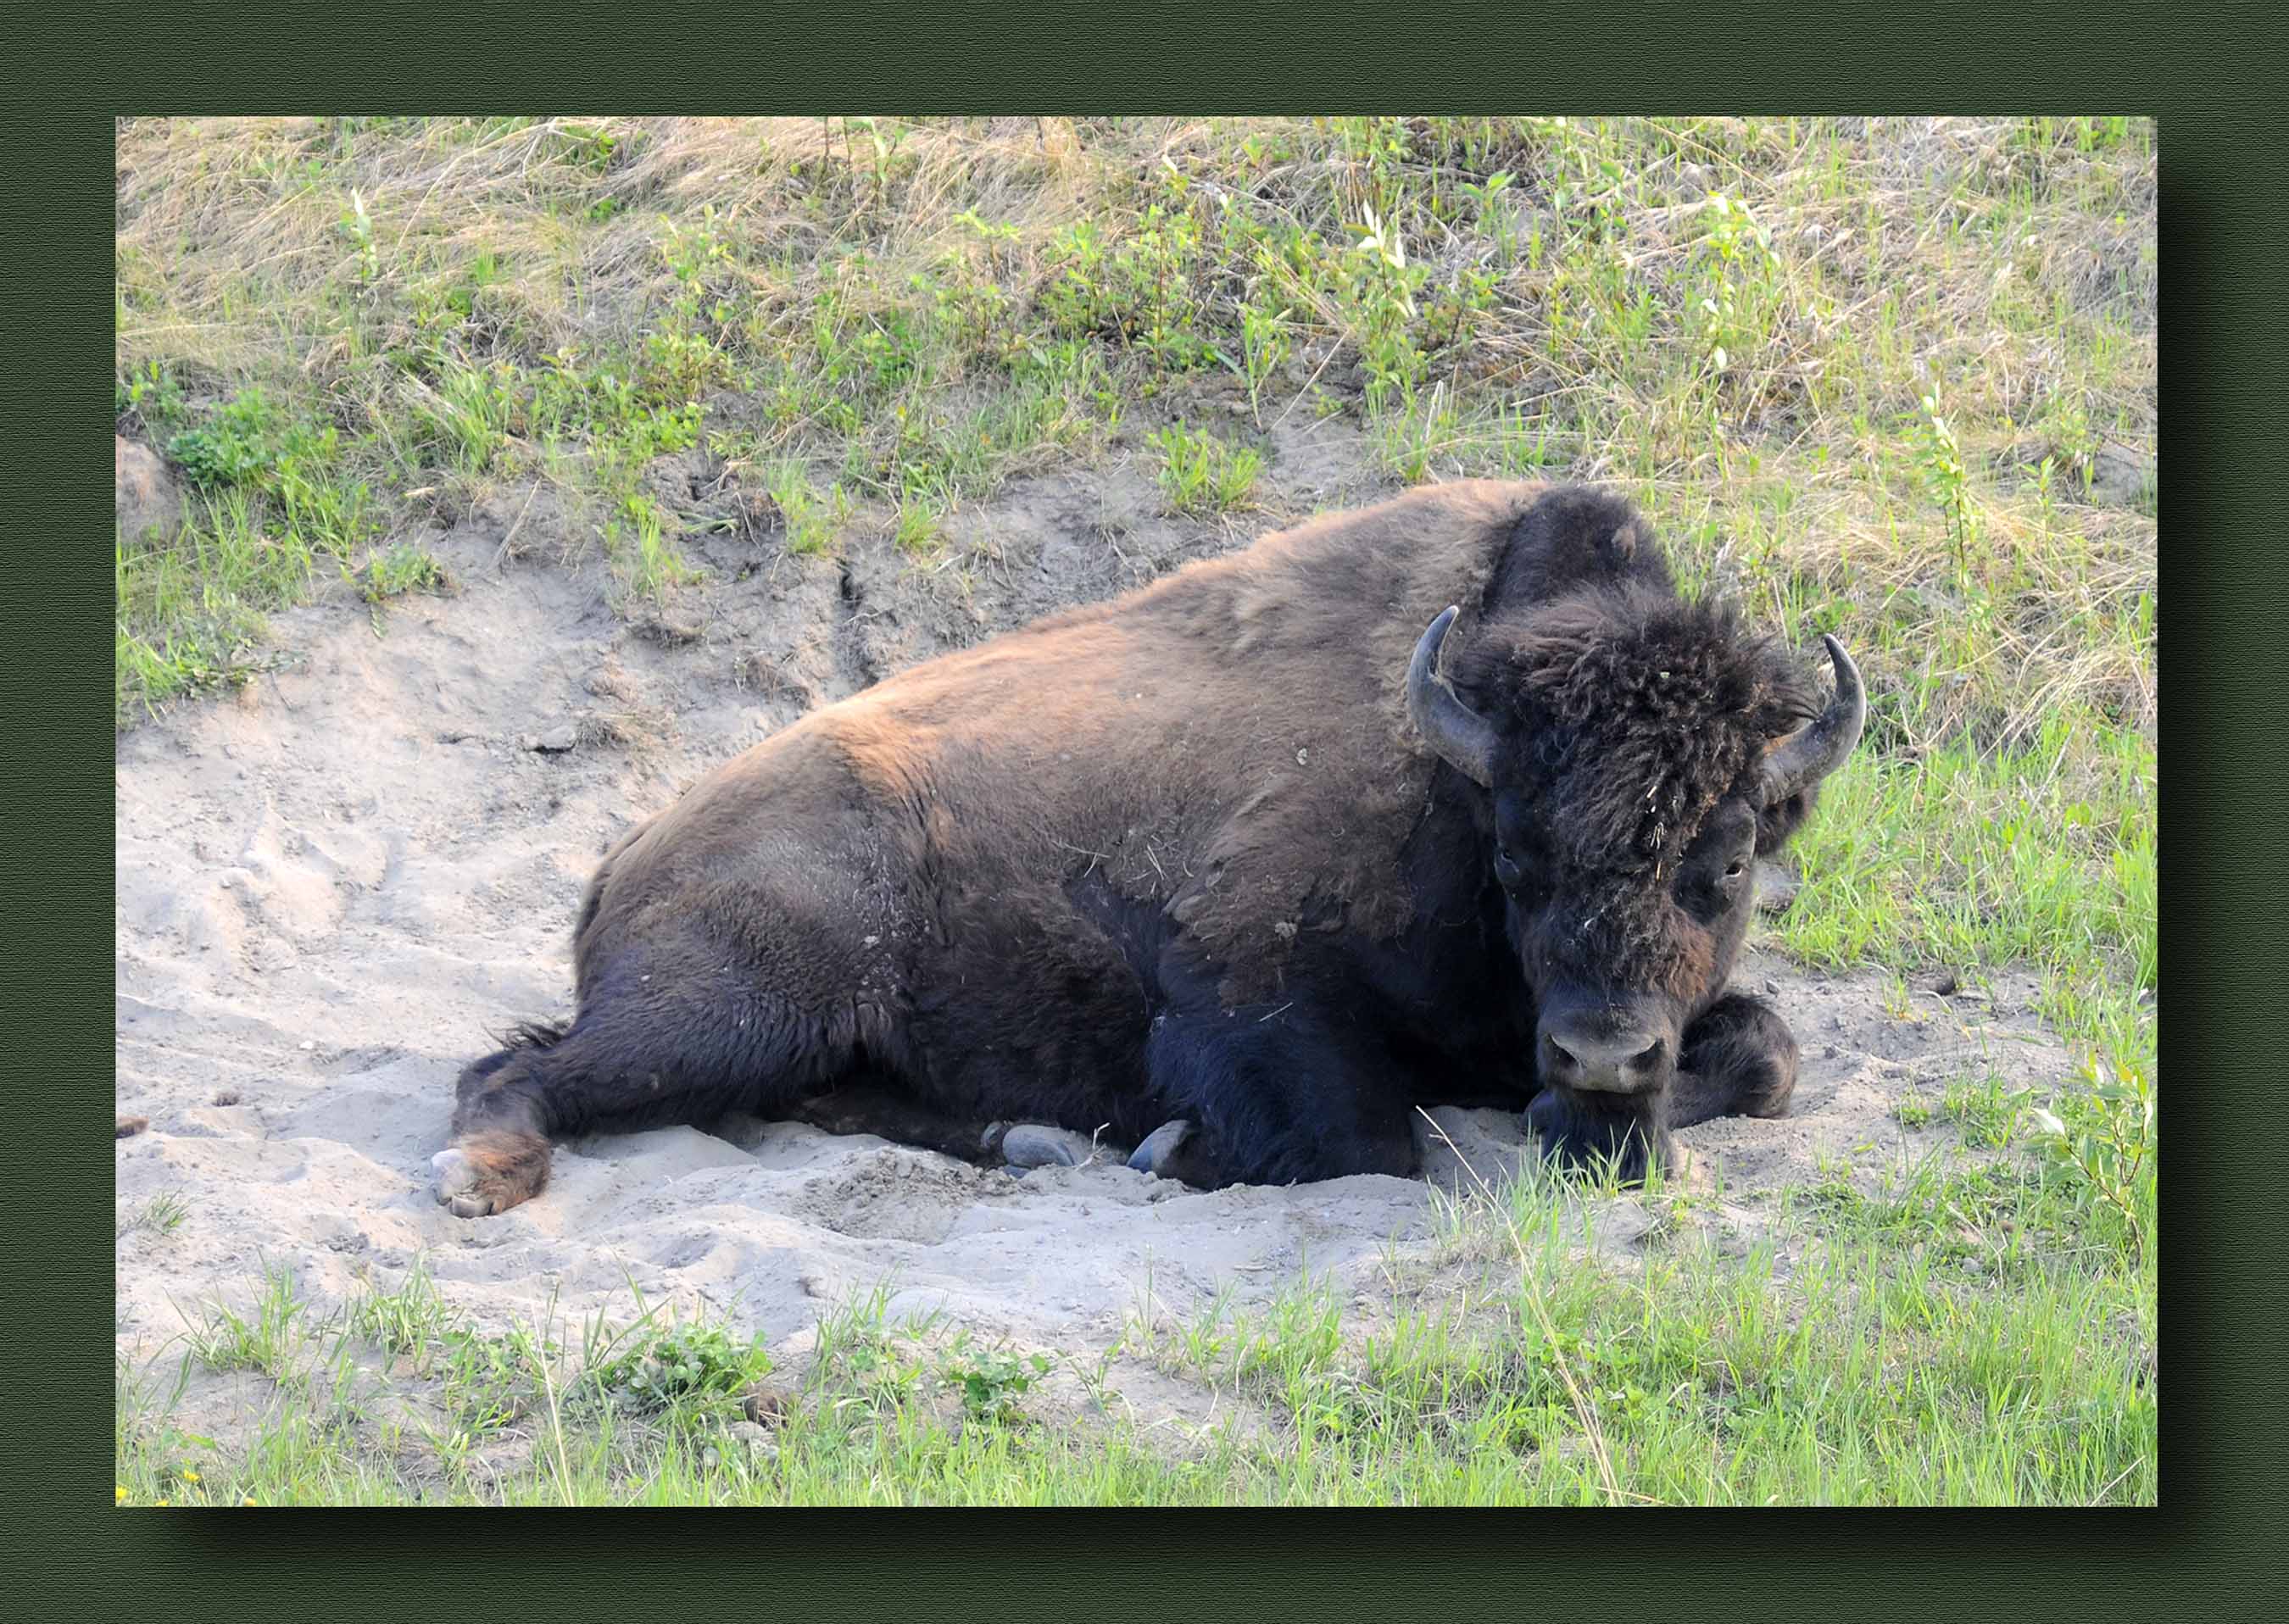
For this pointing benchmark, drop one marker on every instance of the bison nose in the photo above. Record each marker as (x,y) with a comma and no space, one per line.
(1618,1062)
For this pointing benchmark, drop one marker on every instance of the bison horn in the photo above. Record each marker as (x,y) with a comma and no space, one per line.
(1463,738)
(1809,754)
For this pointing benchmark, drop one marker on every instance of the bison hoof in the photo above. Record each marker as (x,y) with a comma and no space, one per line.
(1576,1139)
(1161,1146)
(457,1185)
(1030,1144)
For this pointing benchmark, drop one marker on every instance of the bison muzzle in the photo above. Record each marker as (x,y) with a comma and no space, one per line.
(1248,863)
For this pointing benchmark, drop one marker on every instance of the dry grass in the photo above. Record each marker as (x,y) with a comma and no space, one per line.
(747,265)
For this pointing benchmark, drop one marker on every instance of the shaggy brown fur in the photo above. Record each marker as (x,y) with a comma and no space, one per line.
(1239,804)
(1640,715)
(1185,855)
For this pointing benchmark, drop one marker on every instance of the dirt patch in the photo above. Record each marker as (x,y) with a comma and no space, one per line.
(328,897)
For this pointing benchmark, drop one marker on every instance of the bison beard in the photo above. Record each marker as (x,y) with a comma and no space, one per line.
(1227,866)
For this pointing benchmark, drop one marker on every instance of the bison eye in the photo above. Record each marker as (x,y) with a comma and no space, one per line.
(1736,868)
(1506,869)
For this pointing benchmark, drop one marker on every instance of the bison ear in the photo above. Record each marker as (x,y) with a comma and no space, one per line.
(1779,820)
(1625,543)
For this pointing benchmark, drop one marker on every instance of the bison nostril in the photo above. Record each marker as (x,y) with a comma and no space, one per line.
(1598,1063)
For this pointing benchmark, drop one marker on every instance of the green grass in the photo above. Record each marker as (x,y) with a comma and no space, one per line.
(1202,474)
(162,1215)
(404,568)
(399,569)
(807,518)
(275,1336)
(650,564)
(1941,1342)
(1877,379)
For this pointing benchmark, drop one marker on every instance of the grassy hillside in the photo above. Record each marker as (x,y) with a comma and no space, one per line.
(1894,380)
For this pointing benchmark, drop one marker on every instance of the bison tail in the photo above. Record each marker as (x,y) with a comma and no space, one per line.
(534,1035)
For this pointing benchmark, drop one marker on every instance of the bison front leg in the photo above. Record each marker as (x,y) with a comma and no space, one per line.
(1271,1095)
(1739,1060)
(1585,1130)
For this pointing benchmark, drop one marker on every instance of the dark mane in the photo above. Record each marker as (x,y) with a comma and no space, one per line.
(1648,708)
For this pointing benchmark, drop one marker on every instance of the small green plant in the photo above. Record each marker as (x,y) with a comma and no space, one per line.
(683,357)
(1140,292)
(1264,347)
(699,1365)
(1412,441)
(1493,214)
(1453,309)
(990,1380)
(682,362)
(1942,460)
(405,567)
(443,308)
(490,1381)
(410,1322)
(357,226)
(468,416)
(272,1339)
(2107,1141)
(1735,270)
(861,1364)
(2072,438)
(881,151)
(238,447)
(1379,292)
(660,431)
(991,231)
(1984,1112)
(919,520)
(152,395)
(656,563)
(326,509)
(1201,473)
(2044,473)
(808,518)
(592,147)
(692,252)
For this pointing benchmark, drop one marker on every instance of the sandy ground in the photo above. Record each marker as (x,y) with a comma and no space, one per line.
(333,886)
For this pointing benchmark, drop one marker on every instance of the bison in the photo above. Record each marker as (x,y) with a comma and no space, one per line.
(1453,797)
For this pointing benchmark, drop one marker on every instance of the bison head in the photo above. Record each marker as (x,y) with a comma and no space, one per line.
(1637,754)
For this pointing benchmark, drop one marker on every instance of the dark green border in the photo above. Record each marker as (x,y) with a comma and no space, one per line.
(2223,240)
